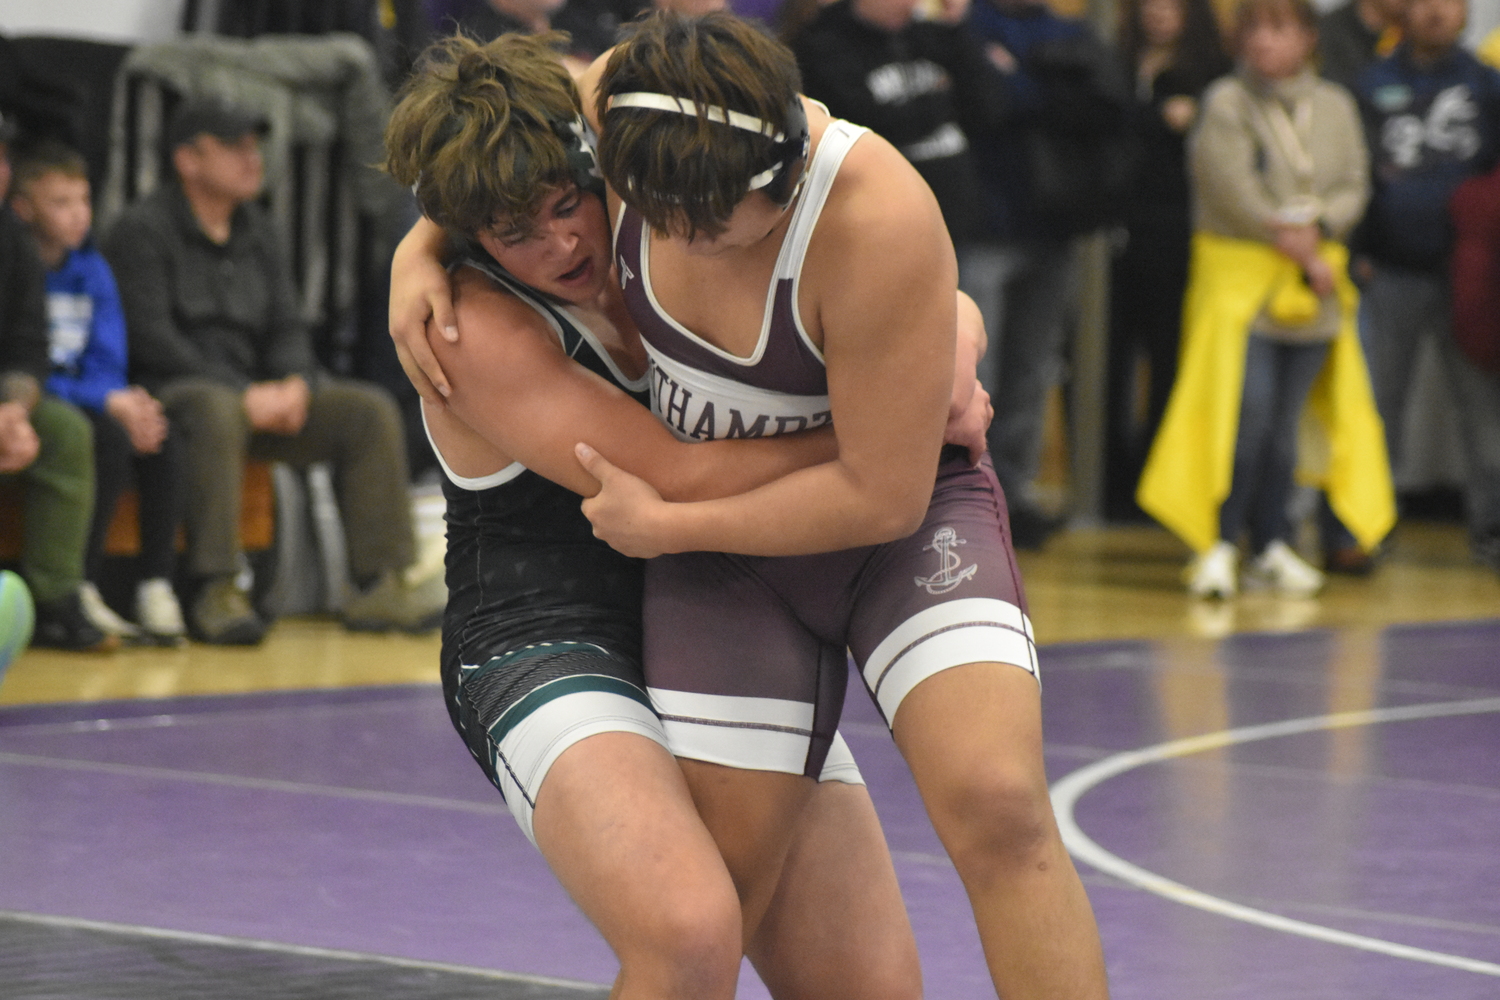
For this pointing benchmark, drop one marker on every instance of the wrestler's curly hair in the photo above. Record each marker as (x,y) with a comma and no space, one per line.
(474,131)
(683,173)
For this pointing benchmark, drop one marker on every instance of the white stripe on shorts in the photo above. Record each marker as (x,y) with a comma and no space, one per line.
(753,734)
(971,630)
(534,743)
(757,734)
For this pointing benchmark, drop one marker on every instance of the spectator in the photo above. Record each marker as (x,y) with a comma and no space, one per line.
(1173,51)
(1475,208)
(1058,169)
(88,353)
(1432,118)
(44,442)
(590,24)
(1355,34)
(218,338)
(1279,176)
(922,85)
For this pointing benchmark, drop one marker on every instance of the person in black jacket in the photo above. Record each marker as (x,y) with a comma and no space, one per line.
(1172,49)
(923,85)
(1054,171)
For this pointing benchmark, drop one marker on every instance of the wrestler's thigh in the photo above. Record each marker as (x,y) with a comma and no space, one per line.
(948,595)
(837,926)
(974,718)
(751,815)
(617,826)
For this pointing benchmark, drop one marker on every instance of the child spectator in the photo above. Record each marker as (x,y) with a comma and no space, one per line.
(1432,119)
(44,443)
(88,352)
(1279,176)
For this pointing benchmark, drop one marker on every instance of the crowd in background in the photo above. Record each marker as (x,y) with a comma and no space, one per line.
(1295,204)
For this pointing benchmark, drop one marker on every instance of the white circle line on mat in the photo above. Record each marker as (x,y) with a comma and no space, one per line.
(1067,791)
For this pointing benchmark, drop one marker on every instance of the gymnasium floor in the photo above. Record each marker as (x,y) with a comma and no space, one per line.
(1269,799)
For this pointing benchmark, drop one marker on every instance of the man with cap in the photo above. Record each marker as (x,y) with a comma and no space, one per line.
(216,334)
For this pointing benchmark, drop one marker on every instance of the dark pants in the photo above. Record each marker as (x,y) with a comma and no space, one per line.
(1278,377)
(353,425)
(156,477)
(1146,288)
(1024,291)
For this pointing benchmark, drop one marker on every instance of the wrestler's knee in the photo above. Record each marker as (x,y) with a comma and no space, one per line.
(688,947)
(994,815)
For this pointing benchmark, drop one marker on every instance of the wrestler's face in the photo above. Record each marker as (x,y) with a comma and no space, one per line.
(564,253)
(754,219)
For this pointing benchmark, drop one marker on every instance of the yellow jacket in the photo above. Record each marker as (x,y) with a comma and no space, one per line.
(1342,446)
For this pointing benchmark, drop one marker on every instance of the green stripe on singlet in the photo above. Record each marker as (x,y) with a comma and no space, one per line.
(559,688)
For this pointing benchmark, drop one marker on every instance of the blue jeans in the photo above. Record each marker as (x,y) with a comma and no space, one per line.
(1398,309)
(1278,377)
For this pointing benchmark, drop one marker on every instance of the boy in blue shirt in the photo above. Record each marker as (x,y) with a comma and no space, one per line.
(87,346)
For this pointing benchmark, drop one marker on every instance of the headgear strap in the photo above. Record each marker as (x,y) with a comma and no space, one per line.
(737,119)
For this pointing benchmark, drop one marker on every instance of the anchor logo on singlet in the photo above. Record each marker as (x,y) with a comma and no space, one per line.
(948,575)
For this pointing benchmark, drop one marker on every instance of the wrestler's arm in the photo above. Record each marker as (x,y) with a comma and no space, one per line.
(421,298)
(888,324)
(513,387)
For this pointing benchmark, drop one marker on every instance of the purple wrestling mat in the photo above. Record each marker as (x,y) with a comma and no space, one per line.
(1312,816)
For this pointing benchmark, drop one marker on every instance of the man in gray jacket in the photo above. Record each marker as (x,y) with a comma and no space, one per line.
(216,335)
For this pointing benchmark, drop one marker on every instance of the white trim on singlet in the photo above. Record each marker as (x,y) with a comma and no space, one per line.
(838,138)
(475,484)
(522,292)
(546,309)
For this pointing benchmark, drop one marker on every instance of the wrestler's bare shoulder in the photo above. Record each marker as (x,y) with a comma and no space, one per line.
(878,203)
(489,308)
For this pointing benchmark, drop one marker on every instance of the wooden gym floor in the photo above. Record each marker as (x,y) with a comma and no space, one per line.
(1088,585)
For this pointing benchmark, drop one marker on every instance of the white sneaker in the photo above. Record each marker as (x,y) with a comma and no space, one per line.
(1214,573)
(1281,569)
(101,615)
(157,608)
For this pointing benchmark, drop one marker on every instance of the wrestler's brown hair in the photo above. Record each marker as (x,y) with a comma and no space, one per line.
(684,173)
(473,132)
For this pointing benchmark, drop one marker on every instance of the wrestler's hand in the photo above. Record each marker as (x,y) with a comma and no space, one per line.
(969,425)
(421,295)
(625,508)
(969,409)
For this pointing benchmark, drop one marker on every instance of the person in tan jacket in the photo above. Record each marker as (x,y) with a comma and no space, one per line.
(1278,159)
